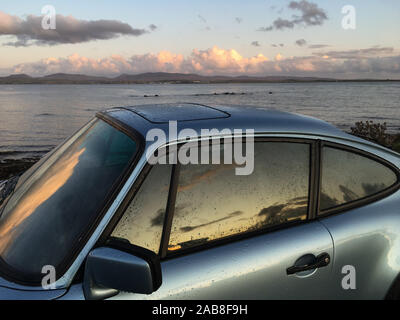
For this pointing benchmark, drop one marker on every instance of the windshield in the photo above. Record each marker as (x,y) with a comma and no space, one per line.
(49,213)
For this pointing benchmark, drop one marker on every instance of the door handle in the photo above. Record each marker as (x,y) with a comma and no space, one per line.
(320,261)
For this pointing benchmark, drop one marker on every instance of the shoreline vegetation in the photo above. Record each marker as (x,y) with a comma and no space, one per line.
(168,78)
(375,132)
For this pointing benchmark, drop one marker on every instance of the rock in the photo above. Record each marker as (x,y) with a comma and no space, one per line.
(9,168)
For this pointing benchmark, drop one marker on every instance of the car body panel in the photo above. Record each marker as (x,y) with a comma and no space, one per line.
(368,239)
(18,294)
(262,120)
(161,113)
(253,268)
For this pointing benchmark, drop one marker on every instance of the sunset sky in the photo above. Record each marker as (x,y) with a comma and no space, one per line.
(255,37)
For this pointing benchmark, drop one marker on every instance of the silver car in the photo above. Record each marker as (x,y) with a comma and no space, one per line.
(316,217)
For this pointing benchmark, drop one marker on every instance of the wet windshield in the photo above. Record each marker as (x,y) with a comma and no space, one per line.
(49,213)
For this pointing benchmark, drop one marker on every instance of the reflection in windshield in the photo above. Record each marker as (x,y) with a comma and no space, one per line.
(57,175)
(50,212)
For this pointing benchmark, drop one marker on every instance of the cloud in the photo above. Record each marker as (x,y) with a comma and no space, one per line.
(153,27)
(369,62)
(216,59)
(228,216)
(301,42)
(357,54)
(255,44)
(29,31)
(318,46)
(202,176)
(278,24)
(265,29)
(310,15)
(279,57)
(202,19)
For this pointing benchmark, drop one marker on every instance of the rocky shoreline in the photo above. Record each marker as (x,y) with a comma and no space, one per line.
(13,167)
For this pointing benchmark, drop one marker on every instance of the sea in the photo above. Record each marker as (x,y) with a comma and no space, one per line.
(35,118)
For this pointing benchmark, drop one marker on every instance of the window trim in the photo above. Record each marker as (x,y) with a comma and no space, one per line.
(170,210)
(313,178)
(118,185)
(362,201)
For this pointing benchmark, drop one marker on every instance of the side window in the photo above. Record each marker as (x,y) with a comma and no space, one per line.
(348,176)
(143,221)
(213,202)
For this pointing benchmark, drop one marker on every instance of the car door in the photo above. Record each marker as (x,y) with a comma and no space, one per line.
(254,268)
(235,236)
(359,205)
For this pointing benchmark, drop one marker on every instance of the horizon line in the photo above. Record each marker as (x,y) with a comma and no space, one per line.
(233,77)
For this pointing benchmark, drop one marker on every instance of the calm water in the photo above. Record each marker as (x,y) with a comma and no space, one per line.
(34,118)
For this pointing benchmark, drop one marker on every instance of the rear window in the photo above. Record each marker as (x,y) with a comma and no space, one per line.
(348,177)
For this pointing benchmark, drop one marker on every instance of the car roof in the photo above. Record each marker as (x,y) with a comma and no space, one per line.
(195,116)
(162,113)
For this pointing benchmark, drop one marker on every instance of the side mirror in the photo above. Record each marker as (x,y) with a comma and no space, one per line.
(123,267)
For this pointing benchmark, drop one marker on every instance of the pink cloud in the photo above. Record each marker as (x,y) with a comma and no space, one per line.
(211,61)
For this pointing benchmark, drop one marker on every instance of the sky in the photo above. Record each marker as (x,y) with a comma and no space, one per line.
(255,37)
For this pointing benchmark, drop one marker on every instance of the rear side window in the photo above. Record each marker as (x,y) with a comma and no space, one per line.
(213,202)
(348,176)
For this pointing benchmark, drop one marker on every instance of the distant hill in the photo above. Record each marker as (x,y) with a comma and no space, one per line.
(195,78)
(158,77)
(17,77)
(71,77)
